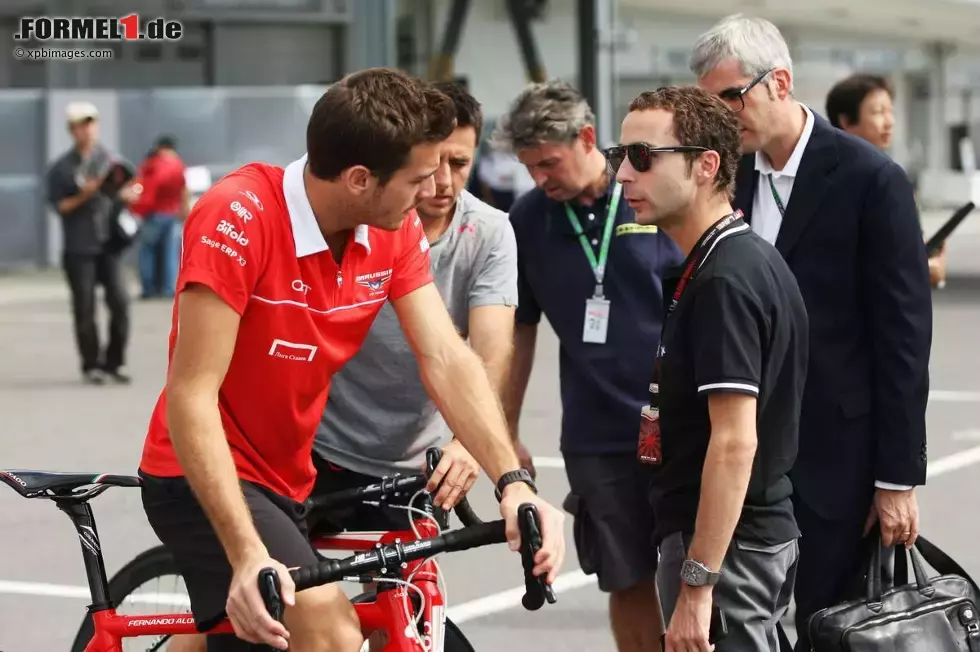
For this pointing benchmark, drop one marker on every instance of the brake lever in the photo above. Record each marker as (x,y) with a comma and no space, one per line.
(271,592)
(536,589)
(433,455)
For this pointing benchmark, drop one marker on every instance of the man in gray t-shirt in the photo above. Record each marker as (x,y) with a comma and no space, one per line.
(379,419)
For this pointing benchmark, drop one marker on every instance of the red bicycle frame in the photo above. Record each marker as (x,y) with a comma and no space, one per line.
(387,613)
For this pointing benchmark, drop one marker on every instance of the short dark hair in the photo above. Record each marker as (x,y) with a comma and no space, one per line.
(845,98)
(701,120)
(165,141)
(468,110)
(374,118)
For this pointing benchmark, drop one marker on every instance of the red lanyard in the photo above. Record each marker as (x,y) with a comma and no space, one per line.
(701,251)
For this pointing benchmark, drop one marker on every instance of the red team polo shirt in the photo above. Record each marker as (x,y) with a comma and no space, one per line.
(253,239)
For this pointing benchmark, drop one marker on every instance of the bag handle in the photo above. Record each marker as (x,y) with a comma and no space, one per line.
(874,584)
(923,550)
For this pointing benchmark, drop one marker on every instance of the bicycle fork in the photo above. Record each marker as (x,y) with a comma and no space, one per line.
(388,614)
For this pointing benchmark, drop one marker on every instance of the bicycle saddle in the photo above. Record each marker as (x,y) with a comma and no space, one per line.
(32,484)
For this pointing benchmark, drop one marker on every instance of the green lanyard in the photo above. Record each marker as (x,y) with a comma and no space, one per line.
(775,196)
(598,266)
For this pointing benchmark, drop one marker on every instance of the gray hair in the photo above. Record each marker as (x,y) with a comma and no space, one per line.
(754,42)
(547,112)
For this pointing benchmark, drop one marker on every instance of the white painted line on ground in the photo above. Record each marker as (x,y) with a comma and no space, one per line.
(954,462)
(47,590)
(945,396)
(512,597)
(967,435)
(461,613)
(548,462)
(82,593)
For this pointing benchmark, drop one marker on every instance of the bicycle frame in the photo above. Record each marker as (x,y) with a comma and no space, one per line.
(386,613)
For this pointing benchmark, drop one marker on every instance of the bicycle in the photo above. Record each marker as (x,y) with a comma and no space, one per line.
(399,562)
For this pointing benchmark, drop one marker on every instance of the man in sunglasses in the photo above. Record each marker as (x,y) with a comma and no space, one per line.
(596,275)
(843,216)
(721,428)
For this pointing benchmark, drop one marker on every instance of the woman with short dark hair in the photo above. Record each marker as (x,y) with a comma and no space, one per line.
(862,105)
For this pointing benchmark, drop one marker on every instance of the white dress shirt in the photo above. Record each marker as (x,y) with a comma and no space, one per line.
(766,216)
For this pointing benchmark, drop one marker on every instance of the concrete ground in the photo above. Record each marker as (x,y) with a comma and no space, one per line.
(51,421)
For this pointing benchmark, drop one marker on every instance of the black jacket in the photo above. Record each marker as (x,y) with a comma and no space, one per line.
(851,236)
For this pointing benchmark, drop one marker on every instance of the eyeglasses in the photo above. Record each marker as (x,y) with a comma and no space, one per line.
(736,96)
(642,156)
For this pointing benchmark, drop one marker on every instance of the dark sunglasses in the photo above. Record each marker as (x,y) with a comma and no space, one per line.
(736,96)
(642,156)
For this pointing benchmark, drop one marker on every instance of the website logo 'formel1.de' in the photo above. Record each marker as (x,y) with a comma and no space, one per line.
(97,28)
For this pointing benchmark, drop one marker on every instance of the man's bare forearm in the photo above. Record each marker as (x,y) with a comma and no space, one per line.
(497,363)
(460,387)
(724,481)
(522,361)
(202,449)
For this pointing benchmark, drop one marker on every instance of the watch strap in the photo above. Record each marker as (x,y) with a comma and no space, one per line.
(520,475)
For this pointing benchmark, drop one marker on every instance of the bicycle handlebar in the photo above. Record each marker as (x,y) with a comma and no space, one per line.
(536,589)
(390,487)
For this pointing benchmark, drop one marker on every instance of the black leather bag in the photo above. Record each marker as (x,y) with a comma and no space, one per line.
(931,614)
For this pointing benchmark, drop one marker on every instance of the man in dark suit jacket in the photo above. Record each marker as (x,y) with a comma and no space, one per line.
(843,216)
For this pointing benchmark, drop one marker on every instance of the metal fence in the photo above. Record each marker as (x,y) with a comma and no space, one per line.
(217,127)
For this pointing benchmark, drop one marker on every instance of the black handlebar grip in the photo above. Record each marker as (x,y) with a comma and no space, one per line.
(466,514)
(536,589)
(271,592)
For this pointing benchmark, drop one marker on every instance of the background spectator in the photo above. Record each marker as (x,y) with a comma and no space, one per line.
(164,203)
(74,185)
(863,105)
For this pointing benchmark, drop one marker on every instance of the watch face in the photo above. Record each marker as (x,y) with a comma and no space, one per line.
(693,574)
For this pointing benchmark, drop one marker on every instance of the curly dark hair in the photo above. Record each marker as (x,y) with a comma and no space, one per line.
(701,120)
(374,118)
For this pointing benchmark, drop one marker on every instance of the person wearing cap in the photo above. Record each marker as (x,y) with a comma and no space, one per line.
(74,184)
(163,202)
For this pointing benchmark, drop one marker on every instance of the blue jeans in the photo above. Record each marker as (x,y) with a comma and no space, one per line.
(159,255)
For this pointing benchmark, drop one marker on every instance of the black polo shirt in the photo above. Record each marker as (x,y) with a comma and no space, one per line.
(739,326)
(603,386)
(87,228)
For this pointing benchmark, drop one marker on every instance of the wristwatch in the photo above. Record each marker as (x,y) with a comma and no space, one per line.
(694,573)
(520,475)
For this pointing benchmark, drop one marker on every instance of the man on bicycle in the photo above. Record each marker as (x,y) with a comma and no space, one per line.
(282,273)
(379,419)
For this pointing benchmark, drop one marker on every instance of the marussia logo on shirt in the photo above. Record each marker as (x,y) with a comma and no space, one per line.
(292,351)
(228,229)
(374,281)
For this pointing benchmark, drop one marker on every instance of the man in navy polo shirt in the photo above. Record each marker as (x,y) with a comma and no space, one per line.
(596,275)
